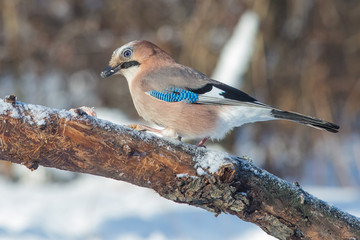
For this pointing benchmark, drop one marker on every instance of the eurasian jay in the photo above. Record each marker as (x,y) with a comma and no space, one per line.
(185,102)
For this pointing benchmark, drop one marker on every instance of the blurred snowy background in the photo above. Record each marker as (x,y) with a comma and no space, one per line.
(299,55)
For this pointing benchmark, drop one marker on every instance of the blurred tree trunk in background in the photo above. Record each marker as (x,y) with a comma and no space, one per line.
(306,59)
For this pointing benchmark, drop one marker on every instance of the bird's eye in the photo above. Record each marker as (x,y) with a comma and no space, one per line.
(127,53)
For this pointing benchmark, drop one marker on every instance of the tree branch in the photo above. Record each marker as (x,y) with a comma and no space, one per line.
(33,135)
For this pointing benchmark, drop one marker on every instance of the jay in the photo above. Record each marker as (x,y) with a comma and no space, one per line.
(185,102)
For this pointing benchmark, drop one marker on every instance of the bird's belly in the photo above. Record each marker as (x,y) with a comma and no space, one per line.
(188,120)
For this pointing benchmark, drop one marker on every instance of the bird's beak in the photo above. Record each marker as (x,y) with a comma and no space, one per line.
(108,71)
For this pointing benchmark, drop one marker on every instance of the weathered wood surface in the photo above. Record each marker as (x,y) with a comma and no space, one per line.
(218,182)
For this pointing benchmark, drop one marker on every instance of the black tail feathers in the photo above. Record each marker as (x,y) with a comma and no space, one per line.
(310,121)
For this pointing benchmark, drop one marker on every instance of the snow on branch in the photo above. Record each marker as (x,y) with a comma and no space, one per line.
(34,135)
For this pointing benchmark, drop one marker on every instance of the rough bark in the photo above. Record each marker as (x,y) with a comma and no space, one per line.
(218,182)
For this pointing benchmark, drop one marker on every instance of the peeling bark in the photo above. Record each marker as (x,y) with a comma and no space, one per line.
(218,182)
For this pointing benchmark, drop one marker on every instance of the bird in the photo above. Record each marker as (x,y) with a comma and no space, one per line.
(187,103)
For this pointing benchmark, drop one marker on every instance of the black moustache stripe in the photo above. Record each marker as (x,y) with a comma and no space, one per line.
(126,65)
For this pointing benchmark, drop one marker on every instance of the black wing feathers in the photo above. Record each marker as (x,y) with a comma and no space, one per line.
(225,92)
(234,94)
(207,88)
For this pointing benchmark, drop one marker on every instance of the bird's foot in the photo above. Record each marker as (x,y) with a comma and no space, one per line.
(202,142)
(170,133)
(140,127)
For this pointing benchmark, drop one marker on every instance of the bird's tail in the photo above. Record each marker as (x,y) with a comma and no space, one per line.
(309,121)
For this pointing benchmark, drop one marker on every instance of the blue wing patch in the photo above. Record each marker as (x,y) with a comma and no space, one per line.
(175,95)
(213,94)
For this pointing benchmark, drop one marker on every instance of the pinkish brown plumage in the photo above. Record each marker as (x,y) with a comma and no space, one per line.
(184,101)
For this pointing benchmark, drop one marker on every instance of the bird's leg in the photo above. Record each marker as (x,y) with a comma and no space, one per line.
(140,127)
(202,142)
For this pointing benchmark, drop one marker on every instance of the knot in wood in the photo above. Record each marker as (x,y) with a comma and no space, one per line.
(226,173)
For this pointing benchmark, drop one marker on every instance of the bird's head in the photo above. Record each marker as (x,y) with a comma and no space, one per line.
(130,58)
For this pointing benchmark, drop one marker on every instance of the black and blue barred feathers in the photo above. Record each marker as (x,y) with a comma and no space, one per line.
(175,95)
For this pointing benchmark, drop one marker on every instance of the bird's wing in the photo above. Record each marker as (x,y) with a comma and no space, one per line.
(184,84)
(180,83)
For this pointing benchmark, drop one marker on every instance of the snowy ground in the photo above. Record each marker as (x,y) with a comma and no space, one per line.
(92,207)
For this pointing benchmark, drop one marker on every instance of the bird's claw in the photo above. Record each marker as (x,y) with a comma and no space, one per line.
(136,127)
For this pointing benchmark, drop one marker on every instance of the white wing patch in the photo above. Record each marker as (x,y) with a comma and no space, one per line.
(212,97)
(216,96)
(215,92)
